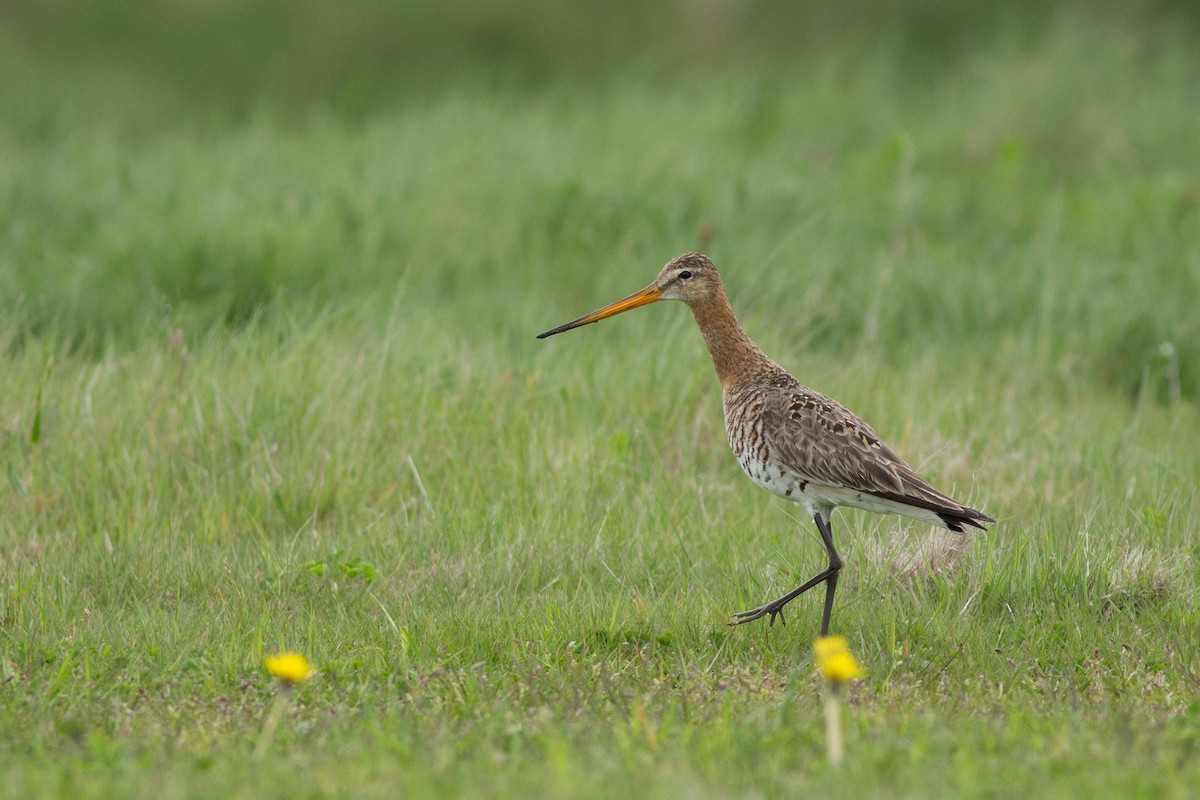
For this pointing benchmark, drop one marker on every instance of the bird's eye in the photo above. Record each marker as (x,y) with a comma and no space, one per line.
(683,276)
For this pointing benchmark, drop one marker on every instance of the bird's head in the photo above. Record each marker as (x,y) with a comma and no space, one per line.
(691,278)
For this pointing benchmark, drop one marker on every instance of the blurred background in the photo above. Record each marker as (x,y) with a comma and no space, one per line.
(964,173)
(145,66)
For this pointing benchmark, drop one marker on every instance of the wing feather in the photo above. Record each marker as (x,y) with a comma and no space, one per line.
(824,442)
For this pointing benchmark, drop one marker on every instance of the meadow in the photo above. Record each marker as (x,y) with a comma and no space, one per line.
(268,381)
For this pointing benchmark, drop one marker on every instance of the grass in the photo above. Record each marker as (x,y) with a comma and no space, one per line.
(270,383)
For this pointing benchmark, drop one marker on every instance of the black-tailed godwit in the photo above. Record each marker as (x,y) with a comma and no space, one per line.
(792,441)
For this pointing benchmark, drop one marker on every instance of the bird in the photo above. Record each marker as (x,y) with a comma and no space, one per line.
(789,439)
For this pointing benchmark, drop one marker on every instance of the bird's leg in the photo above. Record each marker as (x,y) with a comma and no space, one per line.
(829,577)
(835,568)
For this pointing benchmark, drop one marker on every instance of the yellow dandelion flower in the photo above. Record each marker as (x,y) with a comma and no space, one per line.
(835,662)
(290,667)
(829,645)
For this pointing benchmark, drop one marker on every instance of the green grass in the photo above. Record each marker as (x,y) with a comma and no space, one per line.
(270,382)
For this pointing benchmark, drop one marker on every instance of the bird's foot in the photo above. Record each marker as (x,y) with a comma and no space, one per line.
(774,609)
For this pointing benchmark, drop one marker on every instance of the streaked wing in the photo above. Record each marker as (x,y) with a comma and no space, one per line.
(824,442)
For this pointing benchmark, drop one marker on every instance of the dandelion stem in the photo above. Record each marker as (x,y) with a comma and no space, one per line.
(833,727)
(267,735)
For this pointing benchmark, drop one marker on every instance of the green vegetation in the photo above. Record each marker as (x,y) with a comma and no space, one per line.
(269,281)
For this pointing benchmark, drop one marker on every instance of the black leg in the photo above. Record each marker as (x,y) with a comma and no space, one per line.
(835,567)
(829,577)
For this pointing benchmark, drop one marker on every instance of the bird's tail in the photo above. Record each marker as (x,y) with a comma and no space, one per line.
(958,520)
(934,506)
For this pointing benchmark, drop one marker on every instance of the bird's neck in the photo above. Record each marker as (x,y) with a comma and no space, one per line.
(733,354)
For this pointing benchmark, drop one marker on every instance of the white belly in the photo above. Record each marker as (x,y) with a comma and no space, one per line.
(770,477)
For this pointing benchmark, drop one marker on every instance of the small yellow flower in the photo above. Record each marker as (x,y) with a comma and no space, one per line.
(835,662)
(290,667)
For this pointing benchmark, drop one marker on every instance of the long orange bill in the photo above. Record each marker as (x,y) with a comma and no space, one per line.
(650,294)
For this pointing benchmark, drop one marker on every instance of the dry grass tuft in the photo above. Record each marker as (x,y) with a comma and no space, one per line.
(1140,576)
(908,558)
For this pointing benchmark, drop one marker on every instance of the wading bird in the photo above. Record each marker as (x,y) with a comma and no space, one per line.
(791,440)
